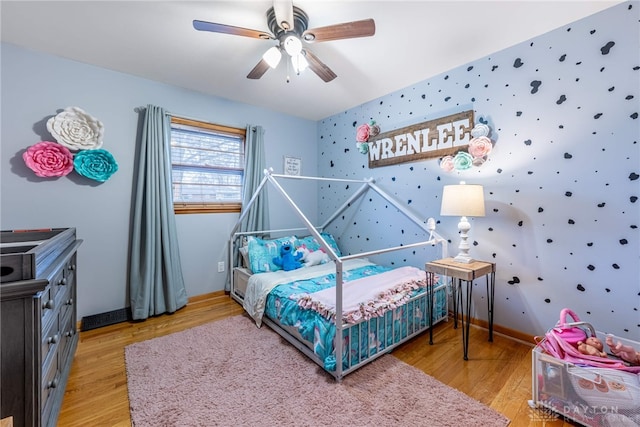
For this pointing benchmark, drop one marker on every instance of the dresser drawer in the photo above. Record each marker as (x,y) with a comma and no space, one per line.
(47,305)
(67,332)
(50,379)
(50,339)
(66,306)
(64,278)
(56,281)
(70,268)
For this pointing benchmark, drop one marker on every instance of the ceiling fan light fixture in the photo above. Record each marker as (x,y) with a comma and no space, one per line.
(272,56)
(289,26)
(292,45)
(299,63)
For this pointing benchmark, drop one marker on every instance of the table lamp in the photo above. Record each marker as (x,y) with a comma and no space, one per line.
(462,200)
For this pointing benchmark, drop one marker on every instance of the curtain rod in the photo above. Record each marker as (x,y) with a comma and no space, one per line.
(168,113)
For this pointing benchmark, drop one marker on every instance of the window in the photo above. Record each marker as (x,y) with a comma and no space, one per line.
(207,165)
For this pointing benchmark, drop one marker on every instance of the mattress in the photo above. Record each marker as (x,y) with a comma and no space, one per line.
(362,339)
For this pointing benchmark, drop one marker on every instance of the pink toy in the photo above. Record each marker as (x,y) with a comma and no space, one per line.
(591,346)
(624,352)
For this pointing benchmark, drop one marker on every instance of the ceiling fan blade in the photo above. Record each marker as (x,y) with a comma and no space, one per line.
(230,29)
(347,30)
(319,67)
(259,70)
(283,10)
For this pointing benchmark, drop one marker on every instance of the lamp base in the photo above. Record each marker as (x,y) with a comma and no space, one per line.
(463,248)
(463,258)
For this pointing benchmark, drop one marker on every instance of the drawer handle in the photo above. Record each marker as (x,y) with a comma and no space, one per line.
(70,333)
(62,281)
(54,339)
(49,304)
(71,267)
(53,383)
(69,301)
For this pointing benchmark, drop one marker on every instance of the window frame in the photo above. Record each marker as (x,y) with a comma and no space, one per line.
(199,207)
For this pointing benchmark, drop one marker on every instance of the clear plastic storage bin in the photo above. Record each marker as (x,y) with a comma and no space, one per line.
(587,395)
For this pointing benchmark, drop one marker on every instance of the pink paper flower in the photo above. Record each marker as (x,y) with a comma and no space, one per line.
(362,133)
(48,159)
(480,147)
(446,164)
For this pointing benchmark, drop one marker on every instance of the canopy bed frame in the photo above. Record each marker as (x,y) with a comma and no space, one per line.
(420,302)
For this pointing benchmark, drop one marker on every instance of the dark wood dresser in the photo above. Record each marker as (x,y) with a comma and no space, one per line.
(38,320)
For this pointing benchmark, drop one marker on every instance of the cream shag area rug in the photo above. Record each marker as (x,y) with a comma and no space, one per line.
(230,373)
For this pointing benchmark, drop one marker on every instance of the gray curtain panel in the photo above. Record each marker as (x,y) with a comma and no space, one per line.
(255,163)
(257,218)
(156,284)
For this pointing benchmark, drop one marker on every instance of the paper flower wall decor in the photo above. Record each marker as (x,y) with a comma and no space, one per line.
(98,165)
(363,133)
(477,151)
(76,129)
(48,159)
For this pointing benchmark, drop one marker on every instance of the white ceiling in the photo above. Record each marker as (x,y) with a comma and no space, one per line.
(414,40)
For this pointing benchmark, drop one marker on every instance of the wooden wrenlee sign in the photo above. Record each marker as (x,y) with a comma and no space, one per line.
(426,140)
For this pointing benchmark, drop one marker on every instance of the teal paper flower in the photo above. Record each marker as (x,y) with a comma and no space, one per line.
(462,161)
(363,147)
(98,165)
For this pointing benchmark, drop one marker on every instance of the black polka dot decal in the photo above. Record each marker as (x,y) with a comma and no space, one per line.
(535,84)
(561,183)
(607,48)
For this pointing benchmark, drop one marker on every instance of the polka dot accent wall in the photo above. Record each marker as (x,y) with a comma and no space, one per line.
(561,184)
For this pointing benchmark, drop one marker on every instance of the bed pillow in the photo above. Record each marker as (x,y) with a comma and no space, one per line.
(312,244)
(244,252)
(262,252)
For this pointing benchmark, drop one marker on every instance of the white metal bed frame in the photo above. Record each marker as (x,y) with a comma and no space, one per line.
(367,184)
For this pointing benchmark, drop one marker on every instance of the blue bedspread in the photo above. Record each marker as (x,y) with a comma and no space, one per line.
(359,341)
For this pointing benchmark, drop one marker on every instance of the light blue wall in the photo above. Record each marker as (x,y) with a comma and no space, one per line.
(37,86)
(552,249)
(561,185)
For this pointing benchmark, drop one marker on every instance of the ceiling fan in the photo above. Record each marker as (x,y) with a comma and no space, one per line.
(289,26)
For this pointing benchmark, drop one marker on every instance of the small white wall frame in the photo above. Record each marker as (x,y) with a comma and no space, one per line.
(292,166)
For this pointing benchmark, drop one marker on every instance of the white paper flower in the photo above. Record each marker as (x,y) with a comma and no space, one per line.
(480,130)
(76,129)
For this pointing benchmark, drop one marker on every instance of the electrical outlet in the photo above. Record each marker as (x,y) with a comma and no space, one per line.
(220,266)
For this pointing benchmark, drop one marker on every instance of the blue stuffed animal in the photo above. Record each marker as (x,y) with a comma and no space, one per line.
(287,259)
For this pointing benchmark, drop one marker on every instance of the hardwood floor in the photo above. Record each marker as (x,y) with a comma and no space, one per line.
(497,374)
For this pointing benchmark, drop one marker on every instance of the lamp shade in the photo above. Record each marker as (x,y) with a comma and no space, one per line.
(462,200)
